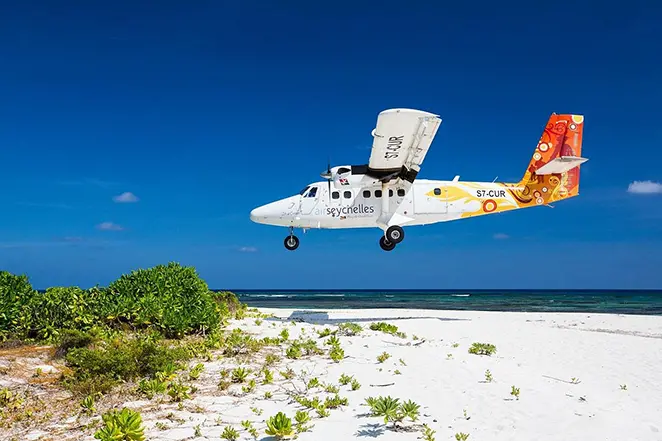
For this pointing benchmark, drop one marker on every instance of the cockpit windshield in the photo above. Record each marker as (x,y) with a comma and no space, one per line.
(304,190)
(312,193)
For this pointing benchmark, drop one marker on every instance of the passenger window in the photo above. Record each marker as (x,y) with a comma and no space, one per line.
(335,195)
(366,194)
(378,193)
(390,193)
(401,192)
(312,193)
(437,191)
(347,194)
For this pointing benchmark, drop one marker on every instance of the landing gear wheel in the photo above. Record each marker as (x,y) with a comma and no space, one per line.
(291,242)
(385,244)
(395,234)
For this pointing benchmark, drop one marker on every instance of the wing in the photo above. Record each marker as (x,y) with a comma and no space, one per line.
(402,138)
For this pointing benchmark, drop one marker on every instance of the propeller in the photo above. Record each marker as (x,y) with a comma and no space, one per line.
(327,175)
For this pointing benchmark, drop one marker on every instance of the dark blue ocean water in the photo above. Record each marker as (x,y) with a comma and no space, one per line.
(622,302)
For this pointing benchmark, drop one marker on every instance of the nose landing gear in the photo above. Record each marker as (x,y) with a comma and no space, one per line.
(291,242)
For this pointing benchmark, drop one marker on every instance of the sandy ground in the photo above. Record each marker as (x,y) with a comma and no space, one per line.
(616,362)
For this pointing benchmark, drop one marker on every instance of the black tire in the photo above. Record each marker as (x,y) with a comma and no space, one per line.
(385,244)
(395,234)
(291,242)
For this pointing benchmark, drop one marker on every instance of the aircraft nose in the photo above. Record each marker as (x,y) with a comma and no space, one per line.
(257,214)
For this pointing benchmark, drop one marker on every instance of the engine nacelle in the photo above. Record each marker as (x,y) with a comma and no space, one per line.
(346,176)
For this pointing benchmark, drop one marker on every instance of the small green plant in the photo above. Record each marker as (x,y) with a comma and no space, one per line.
(455,345)
(464,413)
(331,388)
(402,362)
(178,391)
(313,383)
(624,387)
(337,354)
(349,329)
(288,374)
(258,322)
(461,436)
(356,385)
(449,356)
(482,349)
(268,395)
(284,335)
(256,411)
(381,358)
(230,433)
(322,411)
(397,372)
(123,425)
(514,391)
(333,341)
(87,405)
(248,426)
(195,372)
(293,352)
(488,376)
(428,433)
(248,388)
(344,379)
(196,431)
(302,418)
(325,332)
(279,426)
(575,380)
(239,374)
(392,410)
(268,376)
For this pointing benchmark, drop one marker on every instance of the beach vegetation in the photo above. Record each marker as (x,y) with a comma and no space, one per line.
(455,345)
(335,402)
(402,362)
(355,385)
(279,426)
(449,356)
(313,383)
(302,419)
(230,434)
(349,329)
(257,411)
(331,388)
(575,380)
(428,433)
(514,391)
(461,436)
(288,373)
(392,409)
(624,387)
(345,379)
(322,411)
(258,322)
(397,372)
(482,349)
(488,376)
(195,371)
(381,358)
(240,374)
(248,426)
(387,328)
(333,341)
(337,353)
(268,376)
(250,387)
(268,395)
(284,335)
(122,425)
(326,332)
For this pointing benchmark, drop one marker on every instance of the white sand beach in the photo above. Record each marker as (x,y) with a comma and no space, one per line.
(616,362)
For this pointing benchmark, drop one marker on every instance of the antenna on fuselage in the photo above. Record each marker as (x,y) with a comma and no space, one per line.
(327,175)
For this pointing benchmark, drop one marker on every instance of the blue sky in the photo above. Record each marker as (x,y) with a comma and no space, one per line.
(204,110)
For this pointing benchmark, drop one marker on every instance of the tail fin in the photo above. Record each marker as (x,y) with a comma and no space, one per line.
(553,173)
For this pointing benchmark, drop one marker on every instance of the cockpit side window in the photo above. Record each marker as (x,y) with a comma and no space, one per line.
(304,190)
(312,193)
(343,170)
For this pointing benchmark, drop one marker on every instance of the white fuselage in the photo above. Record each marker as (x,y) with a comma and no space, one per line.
(360,207)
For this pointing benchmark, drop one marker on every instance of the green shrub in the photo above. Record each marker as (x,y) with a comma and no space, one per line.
(61,308)
(15,293)
(99,368)
(171,298)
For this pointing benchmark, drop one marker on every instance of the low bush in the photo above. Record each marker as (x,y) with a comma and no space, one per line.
(171,299)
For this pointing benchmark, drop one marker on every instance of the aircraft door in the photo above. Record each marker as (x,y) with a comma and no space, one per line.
(309,200)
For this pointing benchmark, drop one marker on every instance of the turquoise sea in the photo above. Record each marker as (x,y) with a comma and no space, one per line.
(597,301)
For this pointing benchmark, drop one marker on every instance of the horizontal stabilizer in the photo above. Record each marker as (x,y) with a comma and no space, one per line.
(560,165)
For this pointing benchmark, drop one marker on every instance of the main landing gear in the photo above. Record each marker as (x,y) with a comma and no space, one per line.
(393,236)
(291,242)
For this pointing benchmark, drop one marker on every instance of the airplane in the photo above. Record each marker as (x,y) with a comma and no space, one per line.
(386,193)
